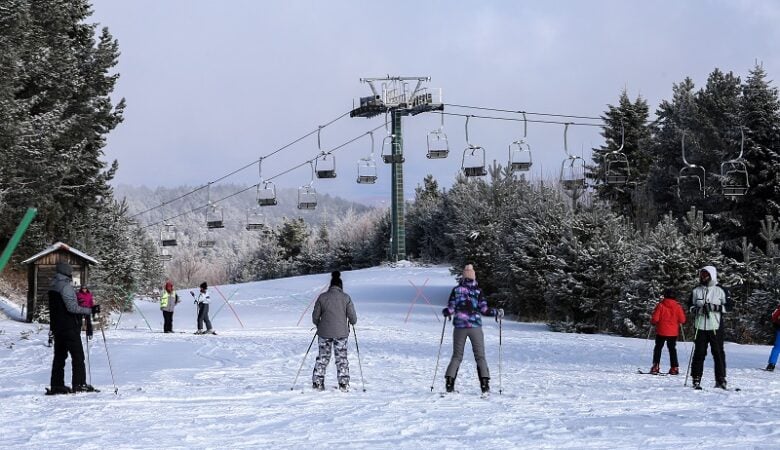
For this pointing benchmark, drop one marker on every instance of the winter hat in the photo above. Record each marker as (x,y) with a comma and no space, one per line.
(469,273)
(670,293)
(335,279)
(204,285)
(169,285)
(64,268)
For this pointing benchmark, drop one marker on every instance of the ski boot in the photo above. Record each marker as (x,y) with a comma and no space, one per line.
(484,384)
(697,382)
(55,390)
(344,386)
(318,385)
(674,371)
(655,370)
(449,384)
(84,388)
(199,332)
(721,384)
(770,367)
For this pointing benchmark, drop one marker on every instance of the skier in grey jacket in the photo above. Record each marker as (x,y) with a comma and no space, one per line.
(708,303)
(332,315)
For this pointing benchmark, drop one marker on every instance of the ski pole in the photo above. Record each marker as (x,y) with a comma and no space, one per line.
(89,366)
(690,358)
(360,365)
(438,355)
(223,305)
(108,357)
(500,353)
(303,361)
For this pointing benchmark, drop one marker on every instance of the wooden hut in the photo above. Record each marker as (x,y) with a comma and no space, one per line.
(41,271)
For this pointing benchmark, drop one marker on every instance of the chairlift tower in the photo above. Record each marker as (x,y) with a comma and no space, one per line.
(393,96)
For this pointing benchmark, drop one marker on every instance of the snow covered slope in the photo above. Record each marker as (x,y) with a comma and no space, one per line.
(233,390)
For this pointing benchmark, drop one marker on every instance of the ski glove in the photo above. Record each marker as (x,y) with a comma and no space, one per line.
(446,312)
(96,310)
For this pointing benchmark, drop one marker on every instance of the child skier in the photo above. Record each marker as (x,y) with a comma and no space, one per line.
(667,318)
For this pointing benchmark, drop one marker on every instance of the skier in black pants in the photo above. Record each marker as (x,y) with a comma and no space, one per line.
(708,302)
(65,321)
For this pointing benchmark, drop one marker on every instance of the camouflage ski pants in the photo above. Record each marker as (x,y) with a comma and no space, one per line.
(339,347)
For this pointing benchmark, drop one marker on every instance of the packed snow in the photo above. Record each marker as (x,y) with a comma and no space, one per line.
(235,389)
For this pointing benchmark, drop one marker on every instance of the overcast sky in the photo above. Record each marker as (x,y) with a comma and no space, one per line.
(212,85)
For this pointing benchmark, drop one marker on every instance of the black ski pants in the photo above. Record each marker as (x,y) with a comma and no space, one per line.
(68,342)
(168,321)
(715,340)
(671,344)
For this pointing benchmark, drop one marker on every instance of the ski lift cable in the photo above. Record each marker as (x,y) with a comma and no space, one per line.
(254,186)
(515,111)
(583,124)
(200,188)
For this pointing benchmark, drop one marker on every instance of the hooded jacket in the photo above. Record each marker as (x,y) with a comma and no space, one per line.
(667,318)
(64,310)
(709,301)
(168,300)
(333,312)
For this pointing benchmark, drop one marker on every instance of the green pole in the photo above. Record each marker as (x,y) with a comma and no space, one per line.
(398,232)
(17,236)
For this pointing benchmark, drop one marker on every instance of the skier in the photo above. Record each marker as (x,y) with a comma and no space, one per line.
(168,301)
(85,300)
(776,348)
(667,318)
(333,313)
(202,301)
(708,302)
(65,322)
(467,305)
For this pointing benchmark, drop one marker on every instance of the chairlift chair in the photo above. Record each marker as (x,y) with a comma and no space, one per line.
(438,145)
(520,156)
(207,240)
(367,172)
(387,151)
(520,152)
(168,235)
(215,218)
(572,168)
(735,180)
(573,173)
(254,220)
(164,256)
(325,166)
(307,195)
(266,195)
(366,167)
(476,165)
(617,170)
(692,179)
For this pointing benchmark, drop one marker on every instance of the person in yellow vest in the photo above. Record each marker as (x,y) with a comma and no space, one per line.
(168,300)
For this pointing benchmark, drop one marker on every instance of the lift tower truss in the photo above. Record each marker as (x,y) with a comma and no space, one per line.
(393,96)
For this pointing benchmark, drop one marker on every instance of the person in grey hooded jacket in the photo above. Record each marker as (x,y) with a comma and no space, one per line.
(708,302)
(332,315)
(65,318)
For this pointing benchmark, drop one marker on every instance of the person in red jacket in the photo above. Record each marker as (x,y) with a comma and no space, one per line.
(667,318)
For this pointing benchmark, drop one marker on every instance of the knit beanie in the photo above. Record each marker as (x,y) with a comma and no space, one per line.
(204,285)
(468,272)
(335,279)
(169,286)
